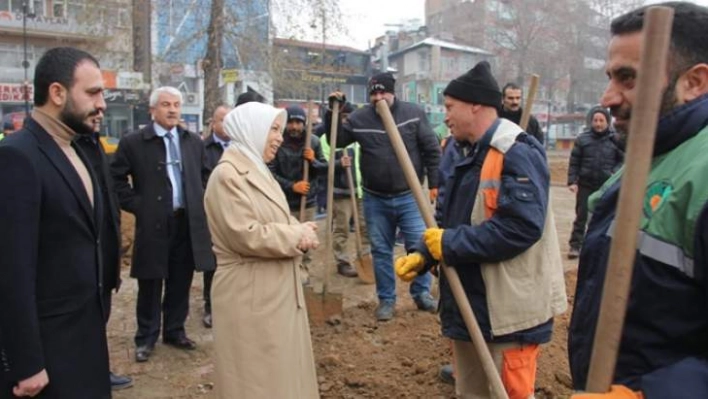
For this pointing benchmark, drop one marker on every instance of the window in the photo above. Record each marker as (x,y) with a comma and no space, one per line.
(74,8)
(11,5)
(39,7)
(59,8)
(423,61)
(123,19)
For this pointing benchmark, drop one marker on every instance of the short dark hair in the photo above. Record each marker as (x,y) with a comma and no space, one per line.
(688,45)
(512,86)
(249,96)
(57,65)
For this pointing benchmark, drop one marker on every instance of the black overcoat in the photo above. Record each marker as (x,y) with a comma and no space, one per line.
(143,187)
(50,275)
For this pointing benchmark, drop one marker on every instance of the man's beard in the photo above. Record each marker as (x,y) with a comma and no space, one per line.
(668,103)
(295,133)
(72,118)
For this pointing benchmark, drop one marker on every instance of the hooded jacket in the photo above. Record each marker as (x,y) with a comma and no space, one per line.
(595,156)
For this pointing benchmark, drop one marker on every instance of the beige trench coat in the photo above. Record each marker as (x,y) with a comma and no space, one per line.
(262,344)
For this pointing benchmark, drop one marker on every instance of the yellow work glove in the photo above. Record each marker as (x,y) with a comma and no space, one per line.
(433,194)
(433,240)
(408,266)
(302,187)
(308,154)
(616,392)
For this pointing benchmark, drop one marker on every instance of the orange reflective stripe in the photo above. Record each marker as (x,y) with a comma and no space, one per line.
(490,180)
(519,371)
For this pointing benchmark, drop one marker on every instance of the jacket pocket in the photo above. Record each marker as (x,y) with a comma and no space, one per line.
(519,371)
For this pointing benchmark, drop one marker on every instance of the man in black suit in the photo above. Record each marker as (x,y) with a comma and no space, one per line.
(53,340)
(214,146)
(159,174)
(92,149)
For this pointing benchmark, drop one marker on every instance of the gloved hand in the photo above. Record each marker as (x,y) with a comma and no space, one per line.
(308,154)
(302,187)
(337,96)
(616,392)
(433,192)
(433,240)
(408,266)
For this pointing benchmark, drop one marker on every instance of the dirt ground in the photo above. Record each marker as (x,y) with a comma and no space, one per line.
(356,357)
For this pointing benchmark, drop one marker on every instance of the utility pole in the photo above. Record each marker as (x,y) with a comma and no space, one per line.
(27,12)
(324,52)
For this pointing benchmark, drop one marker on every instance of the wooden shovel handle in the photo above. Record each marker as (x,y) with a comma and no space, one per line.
(450,273)
(355,211)
(640,145)
(528,104)
(306,163)
(330,187)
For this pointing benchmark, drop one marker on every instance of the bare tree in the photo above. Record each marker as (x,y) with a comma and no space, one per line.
(213,61)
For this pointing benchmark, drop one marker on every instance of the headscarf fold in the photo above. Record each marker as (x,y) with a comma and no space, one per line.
(248,126)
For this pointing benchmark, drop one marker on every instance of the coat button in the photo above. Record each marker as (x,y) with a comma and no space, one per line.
(159,198)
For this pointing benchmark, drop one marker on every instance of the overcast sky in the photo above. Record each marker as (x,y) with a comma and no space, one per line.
(365,19)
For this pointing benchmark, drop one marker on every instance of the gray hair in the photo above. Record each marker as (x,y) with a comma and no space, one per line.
(155,95)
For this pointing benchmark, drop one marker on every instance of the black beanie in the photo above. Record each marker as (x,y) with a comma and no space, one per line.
(597,109)
(477,86)
(382,82)
(296,113)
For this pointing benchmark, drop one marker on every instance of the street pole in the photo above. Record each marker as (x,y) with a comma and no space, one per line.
(324,51)
(25,63)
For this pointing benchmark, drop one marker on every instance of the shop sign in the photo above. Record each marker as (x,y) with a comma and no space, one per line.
(14,93)
(121,96)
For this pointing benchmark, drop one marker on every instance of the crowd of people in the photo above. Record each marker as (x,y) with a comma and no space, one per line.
(228,205)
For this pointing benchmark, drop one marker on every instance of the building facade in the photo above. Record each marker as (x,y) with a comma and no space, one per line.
(424,69)
(300,73)
(102,28)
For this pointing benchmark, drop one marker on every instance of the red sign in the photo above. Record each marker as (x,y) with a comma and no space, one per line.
(14,93)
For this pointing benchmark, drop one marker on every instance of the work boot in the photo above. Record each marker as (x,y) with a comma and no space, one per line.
(385,310)
(346,269)
(447,374)
(119,382)
(426,303)
(573,253)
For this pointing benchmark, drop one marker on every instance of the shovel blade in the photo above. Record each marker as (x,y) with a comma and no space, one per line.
(365,268)
(321,306)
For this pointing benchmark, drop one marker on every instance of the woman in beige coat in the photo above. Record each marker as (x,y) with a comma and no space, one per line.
(261,332)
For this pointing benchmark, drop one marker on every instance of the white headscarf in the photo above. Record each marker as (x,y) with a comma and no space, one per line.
(248,126)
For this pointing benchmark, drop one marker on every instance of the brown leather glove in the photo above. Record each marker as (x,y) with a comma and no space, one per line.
(302,187)
(308,154)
